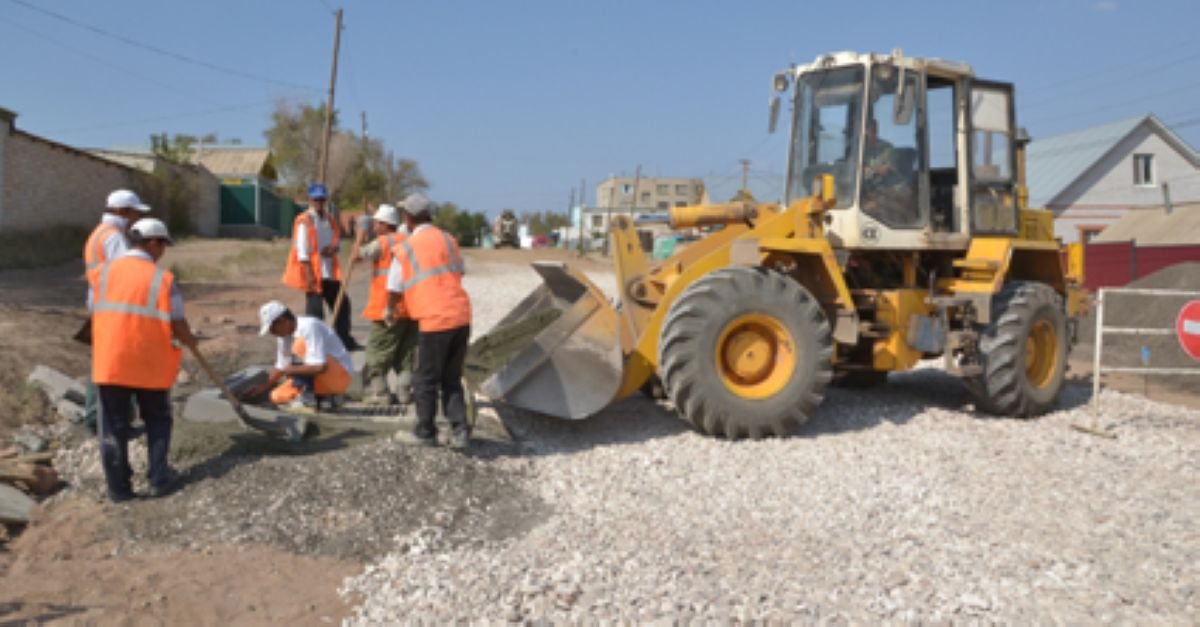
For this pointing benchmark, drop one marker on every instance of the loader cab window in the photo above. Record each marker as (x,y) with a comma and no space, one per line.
(993,206)
(892,149)
(825,135)
(941,94)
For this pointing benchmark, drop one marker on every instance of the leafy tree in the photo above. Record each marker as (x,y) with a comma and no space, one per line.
(178,148)
(295,140)
(359,171)
(463,225)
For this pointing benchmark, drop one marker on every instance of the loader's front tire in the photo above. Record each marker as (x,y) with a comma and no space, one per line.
(745,352)
(1023,352)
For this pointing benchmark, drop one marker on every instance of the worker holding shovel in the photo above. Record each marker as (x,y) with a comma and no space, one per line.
(137,311)
(389,347)
(312,263)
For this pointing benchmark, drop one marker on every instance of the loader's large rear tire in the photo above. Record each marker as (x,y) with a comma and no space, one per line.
(745,352)
(1024,352)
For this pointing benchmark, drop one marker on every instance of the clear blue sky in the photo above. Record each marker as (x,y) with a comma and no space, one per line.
(511,104)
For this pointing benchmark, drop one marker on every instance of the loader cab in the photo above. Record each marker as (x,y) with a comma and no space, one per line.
(920,151)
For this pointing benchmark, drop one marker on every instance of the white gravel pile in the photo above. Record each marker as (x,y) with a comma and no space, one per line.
(897,503)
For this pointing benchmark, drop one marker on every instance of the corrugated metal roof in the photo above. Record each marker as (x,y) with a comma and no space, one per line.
(236,161)
(1152,226)
(1053,163)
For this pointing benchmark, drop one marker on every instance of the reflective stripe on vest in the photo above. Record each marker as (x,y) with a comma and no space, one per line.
(385,256)
(98,257)
(149,310)
(419,275)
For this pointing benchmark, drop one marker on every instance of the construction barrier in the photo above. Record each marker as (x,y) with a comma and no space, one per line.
(1185,328)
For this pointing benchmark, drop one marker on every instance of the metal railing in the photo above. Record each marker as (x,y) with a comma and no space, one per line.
(1101,331)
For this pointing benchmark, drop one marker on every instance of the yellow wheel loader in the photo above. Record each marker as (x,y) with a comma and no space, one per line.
(904,235)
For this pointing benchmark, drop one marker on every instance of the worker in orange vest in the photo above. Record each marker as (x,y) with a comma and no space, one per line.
(107,241)
(310,360)
(312,264)
(389,347)
(137,310)
(426,274)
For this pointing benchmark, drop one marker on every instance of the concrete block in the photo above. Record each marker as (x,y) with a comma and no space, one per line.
(246,379)
(359,359)
(15,506)
(208,405)
(56,385)
(69,410)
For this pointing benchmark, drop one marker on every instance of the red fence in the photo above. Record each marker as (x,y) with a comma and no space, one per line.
(1114,264)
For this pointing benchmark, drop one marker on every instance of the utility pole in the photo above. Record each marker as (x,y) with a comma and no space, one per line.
(612,190)
(745,174)
(337,42)
(582,204)
(637,179)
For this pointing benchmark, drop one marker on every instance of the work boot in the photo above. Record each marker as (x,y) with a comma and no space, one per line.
(333,402)
(404,387)
(409,438)
(461,439)
(377,392)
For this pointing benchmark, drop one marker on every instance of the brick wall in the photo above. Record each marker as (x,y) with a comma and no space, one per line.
(47,184)
(44,184)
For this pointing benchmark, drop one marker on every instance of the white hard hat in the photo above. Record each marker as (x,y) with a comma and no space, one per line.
(417,203)
(150,228)
(125,199)
(268,314)
(387,213)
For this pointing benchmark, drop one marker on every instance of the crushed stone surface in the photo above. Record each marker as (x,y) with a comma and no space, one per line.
(897,503)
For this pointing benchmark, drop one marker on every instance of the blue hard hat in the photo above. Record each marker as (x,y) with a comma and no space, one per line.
(316,191)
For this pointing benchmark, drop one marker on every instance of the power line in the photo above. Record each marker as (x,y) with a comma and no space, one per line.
(92,57)
(164,118)
(166,53)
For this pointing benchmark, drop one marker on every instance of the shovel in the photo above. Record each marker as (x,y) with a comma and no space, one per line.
(284,425)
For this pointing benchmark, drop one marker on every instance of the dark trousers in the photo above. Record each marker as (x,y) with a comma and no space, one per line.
(314,305)
(440,357)
(116,409)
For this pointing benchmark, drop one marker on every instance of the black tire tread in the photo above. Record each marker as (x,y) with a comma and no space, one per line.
(684,380)
(1002,388)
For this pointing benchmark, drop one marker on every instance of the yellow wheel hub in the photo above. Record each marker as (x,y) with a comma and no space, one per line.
(1041,354)
(755,356)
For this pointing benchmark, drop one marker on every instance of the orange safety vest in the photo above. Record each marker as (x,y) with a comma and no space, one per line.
(93,251)
(378,298)
(131,326)
(293,276)
(433,292)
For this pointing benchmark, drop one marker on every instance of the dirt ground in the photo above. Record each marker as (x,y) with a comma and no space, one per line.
(74,563)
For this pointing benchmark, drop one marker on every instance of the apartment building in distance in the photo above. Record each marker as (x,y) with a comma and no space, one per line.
(653,194)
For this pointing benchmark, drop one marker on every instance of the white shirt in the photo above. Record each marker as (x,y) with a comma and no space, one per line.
(324,238)
(115,245)
(176,295)
(320,345)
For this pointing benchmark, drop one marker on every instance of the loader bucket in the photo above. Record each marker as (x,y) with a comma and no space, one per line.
(559,352)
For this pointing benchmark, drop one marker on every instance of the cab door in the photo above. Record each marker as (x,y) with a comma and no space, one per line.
(991,158)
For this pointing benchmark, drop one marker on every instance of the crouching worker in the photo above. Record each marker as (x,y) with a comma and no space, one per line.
(389,347)
(309,356)
(137,311)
